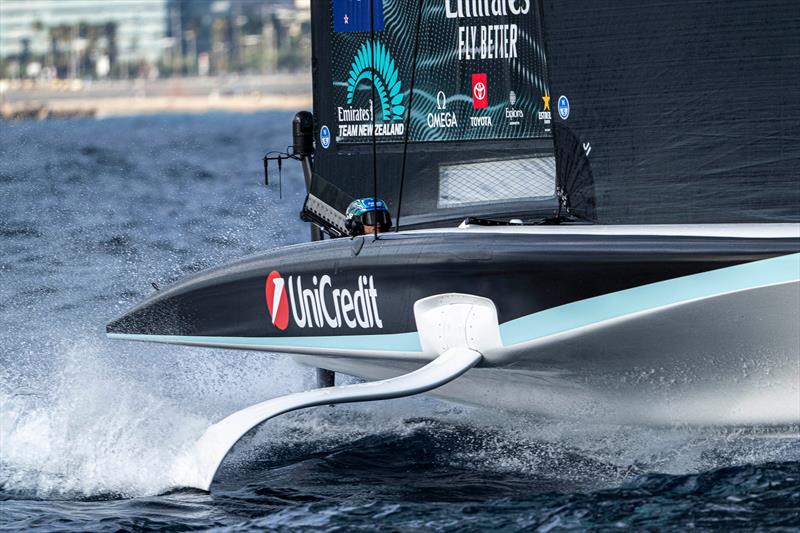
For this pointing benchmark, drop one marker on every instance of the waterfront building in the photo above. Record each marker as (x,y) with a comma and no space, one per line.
(77,35)
(149,38)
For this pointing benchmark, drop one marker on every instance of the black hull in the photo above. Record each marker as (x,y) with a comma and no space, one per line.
(652,325)
(522,273)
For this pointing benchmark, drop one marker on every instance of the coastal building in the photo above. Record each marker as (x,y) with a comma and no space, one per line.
(218,36)
(149,38)
(75,34)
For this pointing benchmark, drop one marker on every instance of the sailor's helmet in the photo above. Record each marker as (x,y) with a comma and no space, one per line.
(367,212)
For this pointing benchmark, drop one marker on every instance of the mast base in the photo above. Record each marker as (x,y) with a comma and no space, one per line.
(325,378)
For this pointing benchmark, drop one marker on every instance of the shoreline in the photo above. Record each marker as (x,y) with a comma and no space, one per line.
(112,98)
(126,106)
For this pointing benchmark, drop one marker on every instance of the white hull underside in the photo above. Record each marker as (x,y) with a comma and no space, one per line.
(729,359)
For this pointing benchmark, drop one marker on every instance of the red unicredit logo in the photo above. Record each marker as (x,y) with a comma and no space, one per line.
(277,303)
(480,91)
(321,303)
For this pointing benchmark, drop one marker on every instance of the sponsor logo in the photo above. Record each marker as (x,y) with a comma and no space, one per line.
(350,16)
(487,41)
(480,100)
(354,114)
(325,137)
(385,77)
(544,115)
(443,118)
(319,304)
(277,303)
(481,122)
(480,91)
(470,8)
(563,107)
(513,115)
(357,121)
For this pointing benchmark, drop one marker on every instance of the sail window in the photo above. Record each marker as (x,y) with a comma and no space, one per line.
(472,183)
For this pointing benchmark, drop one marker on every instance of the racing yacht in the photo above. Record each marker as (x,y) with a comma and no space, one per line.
(592,219)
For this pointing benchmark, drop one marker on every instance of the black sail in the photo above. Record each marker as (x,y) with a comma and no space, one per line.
(624,112)
(679,112)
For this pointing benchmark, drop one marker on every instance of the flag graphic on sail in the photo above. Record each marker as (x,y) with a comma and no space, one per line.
(353,15)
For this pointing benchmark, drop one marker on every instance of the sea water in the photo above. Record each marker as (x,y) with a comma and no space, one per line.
(92,212)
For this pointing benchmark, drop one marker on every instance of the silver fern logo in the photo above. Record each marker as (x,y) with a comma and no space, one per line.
(376,65)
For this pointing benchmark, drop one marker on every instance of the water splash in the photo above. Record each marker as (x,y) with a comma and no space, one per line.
(100,430)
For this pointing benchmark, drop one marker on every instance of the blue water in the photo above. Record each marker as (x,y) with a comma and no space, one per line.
(93,211)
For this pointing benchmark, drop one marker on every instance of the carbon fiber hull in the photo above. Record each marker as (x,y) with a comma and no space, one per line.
(645,325)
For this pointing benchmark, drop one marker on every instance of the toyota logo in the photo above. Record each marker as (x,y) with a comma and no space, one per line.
(479,91)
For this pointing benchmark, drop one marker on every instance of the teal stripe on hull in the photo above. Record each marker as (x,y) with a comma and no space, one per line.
(393,342)
(778,270)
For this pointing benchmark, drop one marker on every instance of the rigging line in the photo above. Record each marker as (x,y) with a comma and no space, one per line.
(374,142)
(408,115)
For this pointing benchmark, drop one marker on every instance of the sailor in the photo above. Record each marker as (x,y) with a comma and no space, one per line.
(367,215)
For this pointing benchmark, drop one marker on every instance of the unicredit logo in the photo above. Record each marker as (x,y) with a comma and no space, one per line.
(276,300)
(320,304)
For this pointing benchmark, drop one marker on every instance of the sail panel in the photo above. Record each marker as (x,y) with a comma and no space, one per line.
(479,72)
(677,112)
(479,103)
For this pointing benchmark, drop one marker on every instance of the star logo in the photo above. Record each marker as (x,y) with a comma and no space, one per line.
(546,100)
(346,19)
